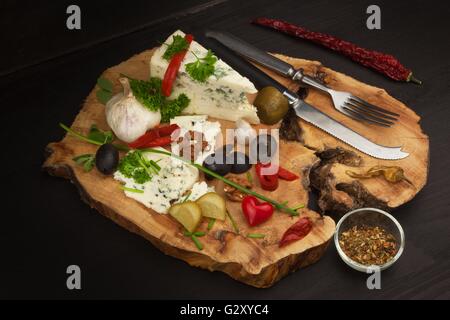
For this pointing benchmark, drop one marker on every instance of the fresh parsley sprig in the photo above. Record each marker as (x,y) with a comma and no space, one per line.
(149,94)
(178,44)
(135,166)
(86,160)
(202,68)
(105,91)
(95,136)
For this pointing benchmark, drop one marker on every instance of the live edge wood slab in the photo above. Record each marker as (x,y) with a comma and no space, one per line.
(320,160)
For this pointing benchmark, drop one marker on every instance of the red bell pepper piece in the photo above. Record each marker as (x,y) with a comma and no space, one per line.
(156,137)
(256,212)
(296,232)
(286,174)
(267,182)
(173,67)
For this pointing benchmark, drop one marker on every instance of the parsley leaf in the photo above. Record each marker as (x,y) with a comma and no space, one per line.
(201,69)
(99,135)
(106,90)
(103,96)
(173,108)
(105,84)
(134,165)
(148,92)
(178,44)
(86,160)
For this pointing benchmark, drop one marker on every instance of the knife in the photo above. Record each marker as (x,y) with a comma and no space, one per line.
(303,110)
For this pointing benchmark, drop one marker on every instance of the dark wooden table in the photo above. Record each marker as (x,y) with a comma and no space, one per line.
(46,71)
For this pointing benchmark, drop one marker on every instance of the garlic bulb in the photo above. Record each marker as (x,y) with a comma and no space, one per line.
(127,117)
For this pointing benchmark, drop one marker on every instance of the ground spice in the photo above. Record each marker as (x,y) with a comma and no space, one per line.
(368,245)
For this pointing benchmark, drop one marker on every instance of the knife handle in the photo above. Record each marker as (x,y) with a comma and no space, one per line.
(251,52)
(244,67)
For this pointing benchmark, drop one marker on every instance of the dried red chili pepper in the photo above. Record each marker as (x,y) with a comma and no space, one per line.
(381,62)
(296,232)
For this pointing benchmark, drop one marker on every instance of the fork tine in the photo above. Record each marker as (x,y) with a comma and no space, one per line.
(373,107)
(367,117)
(354,115)
(373,112)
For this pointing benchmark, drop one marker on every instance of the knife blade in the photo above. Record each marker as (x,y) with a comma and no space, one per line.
(345,134)
(305,111)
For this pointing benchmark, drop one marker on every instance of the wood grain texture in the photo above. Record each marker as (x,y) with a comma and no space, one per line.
(339,193)
(257,262)
(52,228)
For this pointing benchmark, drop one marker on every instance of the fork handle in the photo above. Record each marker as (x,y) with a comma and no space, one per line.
(300,76)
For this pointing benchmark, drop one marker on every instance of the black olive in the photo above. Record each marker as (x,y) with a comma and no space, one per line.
(240,162)
(227,149)
(107,159)
(217,162)
(264,146)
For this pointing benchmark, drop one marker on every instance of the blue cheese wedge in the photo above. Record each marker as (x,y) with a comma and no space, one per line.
(199,124)
(222,96)
(173,181)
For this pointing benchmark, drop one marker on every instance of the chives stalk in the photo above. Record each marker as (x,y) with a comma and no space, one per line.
(131,189)
(79,135)
(256,235)
(211,223)
(233,223)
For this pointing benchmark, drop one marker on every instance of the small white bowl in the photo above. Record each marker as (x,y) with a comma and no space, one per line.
(370,217)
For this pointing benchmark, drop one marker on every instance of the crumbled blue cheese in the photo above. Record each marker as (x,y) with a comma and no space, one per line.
(174,180)
(198,189)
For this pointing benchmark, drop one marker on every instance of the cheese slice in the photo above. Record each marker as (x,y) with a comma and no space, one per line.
(222,96)
(199,124)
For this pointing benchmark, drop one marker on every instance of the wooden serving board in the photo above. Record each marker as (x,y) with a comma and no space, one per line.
(257,262)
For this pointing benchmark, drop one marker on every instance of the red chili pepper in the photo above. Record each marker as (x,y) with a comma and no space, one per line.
(156,137)
(267,182)
(256,212)
(286,174)
(167,130)
(173,67)
(296,232)
(381,62)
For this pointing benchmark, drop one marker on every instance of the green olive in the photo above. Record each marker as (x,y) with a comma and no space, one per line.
(272,106)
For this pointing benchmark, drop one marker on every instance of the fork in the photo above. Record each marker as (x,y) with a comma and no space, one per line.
(345,102)
(349,104)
